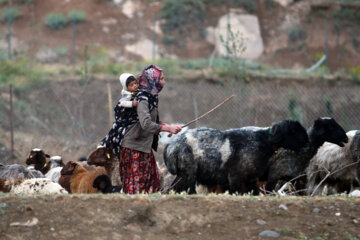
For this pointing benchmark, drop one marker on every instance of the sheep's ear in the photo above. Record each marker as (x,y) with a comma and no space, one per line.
(47,155)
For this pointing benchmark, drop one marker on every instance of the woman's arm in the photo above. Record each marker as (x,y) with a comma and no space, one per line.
(145,118)
(150,126)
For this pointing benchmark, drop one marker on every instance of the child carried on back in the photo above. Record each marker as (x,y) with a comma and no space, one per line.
(125,113)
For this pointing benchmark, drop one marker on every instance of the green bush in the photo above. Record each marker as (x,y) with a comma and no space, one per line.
(297,33)
(168,40)
(179,14)
(76,16)
(10,14)
(24,1)
(55,21)
(347,14)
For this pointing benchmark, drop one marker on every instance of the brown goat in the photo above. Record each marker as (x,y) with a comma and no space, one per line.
(81,180)
(105,157)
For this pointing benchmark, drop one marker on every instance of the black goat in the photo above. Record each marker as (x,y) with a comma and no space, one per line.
(233,159)
(103,183)
(286,164)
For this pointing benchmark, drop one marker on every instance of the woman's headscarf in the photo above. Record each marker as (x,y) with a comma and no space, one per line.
(149,80)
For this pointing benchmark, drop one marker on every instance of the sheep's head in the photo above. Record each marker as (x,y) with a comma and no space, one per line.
(101,156)
(56,161)
(69,168)
(327,130)
(38,158)
(289,134)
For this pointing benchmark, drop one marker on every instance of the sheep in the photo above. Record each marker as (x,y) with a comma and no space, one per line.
(64,180)
(286,164)
(30,186)
(336,166)
(37,157)
(55,165)
(19,171)
(103,183)
(103,156)
(233,159)
(81,179)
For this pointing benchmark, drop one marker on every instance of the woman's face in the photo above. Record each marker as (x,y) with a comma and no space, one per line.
(162,80)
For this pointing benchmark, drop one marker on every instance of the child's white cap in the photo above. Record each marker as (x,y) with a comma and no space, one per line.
(123,78)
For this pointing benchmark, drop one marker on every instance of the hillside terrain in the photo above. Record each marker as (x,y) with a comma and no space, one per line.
(294,34)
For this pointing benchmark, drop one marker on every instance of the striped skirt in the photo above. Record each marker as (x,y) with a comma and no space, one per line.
(138,171)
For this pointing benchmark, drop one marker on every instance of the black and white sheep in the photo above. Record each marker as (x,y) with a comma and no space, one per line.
(103,184)
(233,159)
(30,186)
(286,165)
(337,166)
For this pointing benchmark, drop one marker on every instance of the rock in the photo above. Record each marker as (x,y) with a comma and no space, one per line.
(283,206)
(316,210)
(28,223)
(355,193)
(143,48)
(260,222)
(245,24)
(284,3)
(269,233)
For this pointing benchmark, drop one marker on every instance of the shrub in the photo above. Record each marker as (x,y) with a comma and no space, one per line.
(55,21)
(76,16)
(168,40)
(179,14)
(297,33)
(24,1)
(10,14)
(347,14)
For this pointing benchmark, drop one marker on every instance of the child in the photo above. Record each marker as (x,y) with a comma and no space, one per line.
(130,87)
(125,113)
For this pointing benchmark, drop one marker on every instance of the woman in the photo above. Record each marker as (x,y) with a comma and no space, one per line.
(138,168)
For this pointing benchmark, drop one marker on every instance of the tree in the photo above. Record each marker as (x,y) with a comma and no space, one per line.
(75,16)
(10,14)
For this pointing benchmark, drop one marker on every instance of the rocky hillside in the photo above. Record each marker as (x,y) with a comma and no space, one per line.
(282,33)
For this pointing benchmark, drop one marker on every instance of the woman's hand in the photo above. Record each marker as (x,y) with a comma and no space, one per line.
(172,129)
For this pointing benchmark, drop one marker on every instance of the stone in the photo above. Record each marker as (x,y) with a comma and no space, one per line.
(269,233)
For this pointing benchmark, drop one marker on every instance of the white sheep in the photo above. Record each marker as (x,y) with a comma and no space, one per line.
(31,186)
(55,166)
(337,167)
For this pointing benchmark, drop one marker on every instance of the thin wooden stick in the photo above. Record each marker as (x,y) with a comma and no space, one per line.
(211,110)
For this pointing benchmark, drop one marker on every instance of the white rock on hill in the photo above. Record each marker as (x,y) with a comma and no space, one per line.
(143,48)
(246,24)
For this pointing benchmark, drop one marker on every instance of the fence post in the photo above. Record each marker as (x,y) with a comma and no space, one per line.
(11,118)
(111,117)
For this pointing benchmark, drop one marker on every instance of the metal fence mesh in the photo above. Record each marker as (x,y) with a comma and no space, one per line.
(71,113)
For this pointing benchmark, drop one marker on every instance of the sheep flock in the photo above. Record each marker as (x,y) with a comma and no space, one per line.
(281,159)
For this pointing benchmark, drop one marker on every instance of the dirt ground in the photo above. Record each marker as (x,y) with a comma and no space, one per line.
(119,216)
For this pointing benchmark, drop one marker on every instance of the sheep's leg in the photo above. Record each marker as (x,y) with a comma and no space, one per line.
(252,187)
(270,185)
(235,184)
(183,183)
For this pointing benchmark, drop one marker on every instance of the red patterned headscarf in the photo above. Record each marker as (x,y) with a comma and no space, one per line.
(149,80)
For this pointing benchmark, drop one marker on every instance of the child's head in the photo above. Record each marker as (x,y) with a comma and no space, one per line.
(129,82)
(132,84)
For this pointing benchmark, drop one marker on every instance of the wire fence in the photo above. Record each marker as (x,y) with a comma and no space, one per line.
(78,113)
